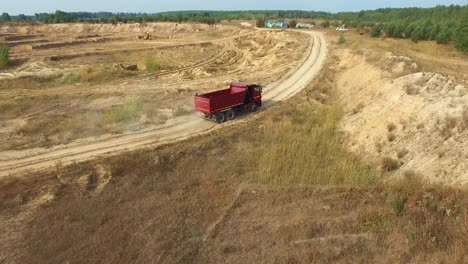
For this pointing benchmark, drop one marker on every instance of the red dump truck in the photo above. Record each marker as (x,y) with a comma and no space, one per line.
(223,105)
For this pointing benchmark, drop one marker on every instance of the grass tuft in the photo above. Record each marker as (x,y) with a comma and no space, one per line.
(124,113)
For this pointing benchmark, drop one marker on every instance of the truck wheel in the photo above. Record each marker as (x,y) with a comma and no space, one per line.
(230,115)
(254,108)
(220,118)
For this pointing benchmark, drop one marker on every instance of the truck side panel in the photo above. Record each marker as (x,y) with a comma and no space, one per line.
(214,102)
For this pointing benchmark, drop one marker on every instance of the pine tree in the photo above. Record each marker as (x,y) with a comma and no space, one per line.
(461,37)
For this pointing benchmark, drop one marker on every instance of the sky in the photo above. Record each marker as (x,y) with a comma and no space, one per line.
(29,7)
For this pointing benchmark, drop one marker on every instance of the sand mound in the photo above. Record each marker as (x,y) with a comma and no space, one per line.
(398,64)
(418,119)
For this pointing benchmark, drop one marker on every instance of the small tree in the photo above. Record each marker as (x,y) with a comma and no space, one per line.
(325,24)
(293,24)
(4,55)
(5,17)
(261,22)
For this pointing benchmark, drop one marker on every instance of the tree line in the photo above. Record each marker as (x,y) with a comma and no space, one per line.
(441,23)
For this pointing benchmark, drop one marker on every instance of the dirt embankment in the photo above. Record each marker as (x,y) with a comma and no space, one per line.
(413,121)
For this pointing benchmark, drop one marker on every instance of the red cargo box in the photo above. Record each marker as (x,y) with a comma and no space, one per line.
(214,102)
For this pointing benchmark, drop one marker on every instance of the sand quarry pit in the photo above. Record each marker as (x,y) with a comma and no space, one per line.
(79,81)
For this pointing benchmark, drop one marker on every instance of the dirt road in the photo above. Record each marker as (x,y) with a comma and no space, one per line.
(13,163)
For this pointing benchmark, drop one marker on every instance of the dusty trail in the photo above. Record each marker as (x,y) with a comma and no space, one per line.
(15,162)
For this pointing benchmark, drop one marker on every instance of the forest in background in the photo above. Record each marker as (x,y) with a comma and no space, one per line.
(443,24)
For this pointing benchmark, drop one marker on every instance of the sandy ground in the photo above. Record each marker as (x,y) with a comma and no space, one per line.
(175,129)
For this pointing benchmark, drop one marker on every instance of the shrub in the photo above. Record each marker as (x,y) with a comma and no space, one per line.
(391,127)
(261,22)
(4,55)
(398,204)
(411,90)
(293,23)
(402,153)
(342,40)
(390,164)
(325,24)
(391,137)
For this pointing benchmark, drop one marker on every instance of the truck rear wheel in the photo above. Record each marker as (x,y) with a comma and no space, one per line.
(230,115)
(254,108)
(220,118)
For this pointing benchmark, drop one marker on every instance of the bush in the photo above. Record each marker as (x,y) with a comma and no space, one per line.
(293,24)
(261,23)
(391,127)
(325,24)
(390,164)
(342,40)
(4,55)
(398,204)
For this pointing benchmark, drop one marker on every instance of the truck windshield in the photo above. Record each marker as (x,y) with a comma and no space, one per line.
(258,89)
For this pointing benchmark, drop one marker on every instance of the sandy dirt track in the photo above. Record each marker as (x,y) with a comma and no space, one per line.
(176,129)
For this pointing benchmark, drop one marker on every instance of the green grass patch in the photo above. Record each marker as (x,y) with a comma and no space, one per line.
(341,40)
(152,64)
(124,113)
(4,55)
(307,148)
(398,204)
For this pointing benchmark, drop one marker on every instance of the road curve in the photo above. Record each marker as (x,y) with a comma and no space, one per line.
(16,163)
